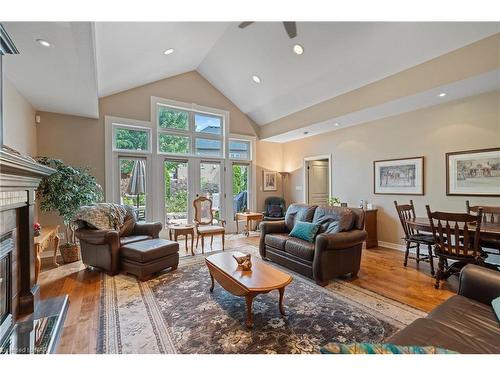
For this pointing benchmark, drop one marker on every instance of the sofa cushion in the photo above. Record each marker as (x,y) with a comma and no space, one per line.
(468,316)
(129,239)
(300,248)
(276,240)
(150,250)
(333,219)
(305,231)
(301,212)
(425,332)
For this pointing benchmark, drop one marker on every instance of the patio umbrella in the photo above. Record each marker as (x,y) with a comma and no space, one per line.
(137,183)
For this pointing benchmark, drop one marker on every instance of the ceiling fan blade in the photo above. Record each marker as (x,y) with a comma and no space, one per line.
(244,24)
(291,29)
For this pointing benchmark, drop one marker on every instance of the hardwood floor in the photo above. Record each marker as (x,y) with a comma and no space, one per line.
(381,271)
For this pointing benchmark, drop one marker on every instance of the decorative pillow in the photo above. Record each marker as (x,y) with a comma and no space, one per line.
(304,230)
(128,223)
(367,348)
(275,210)
(496,307)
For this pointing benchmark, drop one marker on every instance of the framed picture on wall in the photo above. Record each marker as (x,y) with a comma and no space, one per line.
(399,176)
(474,172)
(269,181)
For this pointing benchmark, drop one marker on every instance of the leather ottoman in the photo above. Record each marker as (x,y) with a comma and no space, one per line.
(144,258)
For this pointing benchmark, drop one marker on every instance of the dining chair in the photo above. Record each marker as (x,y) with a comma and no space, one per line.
(455,240)
(204,222)
(413,237)
(491,214)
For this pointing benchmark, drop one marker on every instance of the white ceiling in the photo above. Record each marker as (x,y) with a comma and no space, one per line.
(338,57)
(457,90)
(61,78)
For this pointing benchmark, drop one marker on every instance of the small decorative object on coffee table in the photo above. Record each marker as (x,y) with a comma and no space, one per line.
(175,230)
(244,262)
(261,279)
(249,217)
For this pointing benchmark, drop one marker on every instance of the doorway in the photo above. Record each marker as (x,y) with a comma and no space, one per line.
(317,180)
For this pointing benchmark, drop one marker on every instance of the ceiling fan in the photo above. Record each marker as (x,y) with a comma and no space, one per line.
(290,28)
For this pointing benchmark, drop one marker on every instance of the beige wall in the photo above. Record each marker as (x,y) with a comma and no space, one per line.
(472,123)
(19,128)
(80,141)
(269,158)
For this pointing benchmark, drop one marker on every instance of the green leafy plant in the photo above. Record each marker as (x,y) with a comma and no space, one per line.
(334,201)
(66,190)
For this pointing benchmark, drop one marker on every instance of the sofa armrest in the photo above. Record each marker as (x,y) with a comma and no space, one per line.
(341,240)
(98,237)
(267,227)
(479,283)
(148,229)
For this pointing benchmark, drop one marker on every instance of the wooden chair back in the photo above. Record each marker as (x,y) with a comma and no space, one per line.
(491,214)
(452,233)
(203,214)
(405,212)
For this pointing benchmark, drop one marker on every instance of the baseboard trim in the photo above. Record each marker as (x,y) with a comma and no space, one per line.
(396,246)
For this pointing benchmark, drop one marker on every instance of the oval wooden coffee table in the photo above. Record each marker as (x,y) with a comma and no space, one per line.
(262,278)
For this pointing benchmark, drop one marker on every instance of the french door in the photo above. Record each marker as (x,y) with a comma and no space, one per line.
(185,179)
(133,186)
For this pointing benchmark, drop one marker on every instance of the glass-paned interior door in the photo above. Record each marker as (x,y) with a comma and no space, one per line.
(211,185)
(241,173)
(133,189)
(176,177)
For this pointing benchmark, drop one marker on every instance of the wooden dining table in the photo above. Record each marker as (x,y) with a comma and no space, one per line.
(488,230)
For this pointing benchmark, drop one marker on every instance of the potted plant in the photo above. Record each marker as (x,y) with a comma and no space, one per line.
(65,192)
(334,201)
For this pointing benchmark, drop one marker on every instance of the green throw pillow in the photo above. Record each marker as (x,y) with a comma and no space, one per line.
(305,231)
(367,348)
(496,307)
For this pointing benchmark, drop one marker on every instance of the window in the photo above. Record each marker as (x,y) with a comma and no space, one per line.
(169,118)
(173,144)
(207,123)
(208,147)
(130,138)
(239,149)
(183,131)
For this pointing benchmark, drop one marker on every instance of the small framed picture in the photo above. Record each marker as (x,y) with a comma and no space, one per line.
(474,172)
(269,181)
(399,176)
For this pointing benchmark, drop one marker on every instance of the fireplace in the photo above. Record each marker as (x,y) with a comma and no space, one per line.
(6,247)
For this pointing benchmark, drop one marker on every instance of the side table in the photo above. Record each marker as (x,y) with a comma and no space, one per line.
(47,236)
(249,218)
(175,231)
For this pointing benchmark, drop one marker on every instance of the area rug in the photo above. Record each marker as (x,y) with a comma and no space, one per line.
(176,313)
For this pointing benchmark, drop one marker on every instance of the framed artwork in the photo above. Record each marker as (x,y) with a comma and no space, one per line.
(269,181)
(474,172)
(399,176)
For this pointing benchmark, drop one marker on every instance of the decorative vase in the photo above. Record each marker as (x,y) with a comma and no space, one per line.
(37,232)
(70,252)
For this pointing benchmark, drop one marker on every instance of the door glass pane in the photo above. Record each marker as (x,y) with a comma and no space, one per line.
(169,118)
(208,147)
(240,188)
(174,144)
(239,149)
(208,123)
(133,185)
(131,139)
(176,191)
(210,184)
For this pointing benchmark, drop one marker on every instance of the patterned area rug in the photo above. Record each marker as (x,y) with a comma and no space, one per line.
(176,313)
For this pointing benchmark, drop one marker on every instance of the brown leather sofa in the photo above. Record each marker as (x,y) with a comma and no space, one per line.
(337,247)
(465,323)
(101,248)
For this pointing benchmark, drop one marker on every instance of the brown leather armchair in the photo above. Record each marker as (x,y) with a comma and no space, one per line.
(101,248)
(335,252)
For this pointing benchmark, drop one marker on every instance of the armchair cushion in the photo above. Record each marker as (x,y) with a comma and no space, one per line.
(130,239)
(275,211)
(209,229)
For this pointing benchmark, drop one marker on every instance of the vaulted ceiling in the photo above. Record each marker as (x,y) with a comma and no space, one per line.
(87,60)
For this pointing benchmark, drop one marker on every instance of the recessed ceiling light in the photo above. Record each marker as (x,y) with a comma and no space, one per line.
(43,42)
(305,133)
(298,49)
(256,79)
(336,124)
(168,51)
(442,94)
